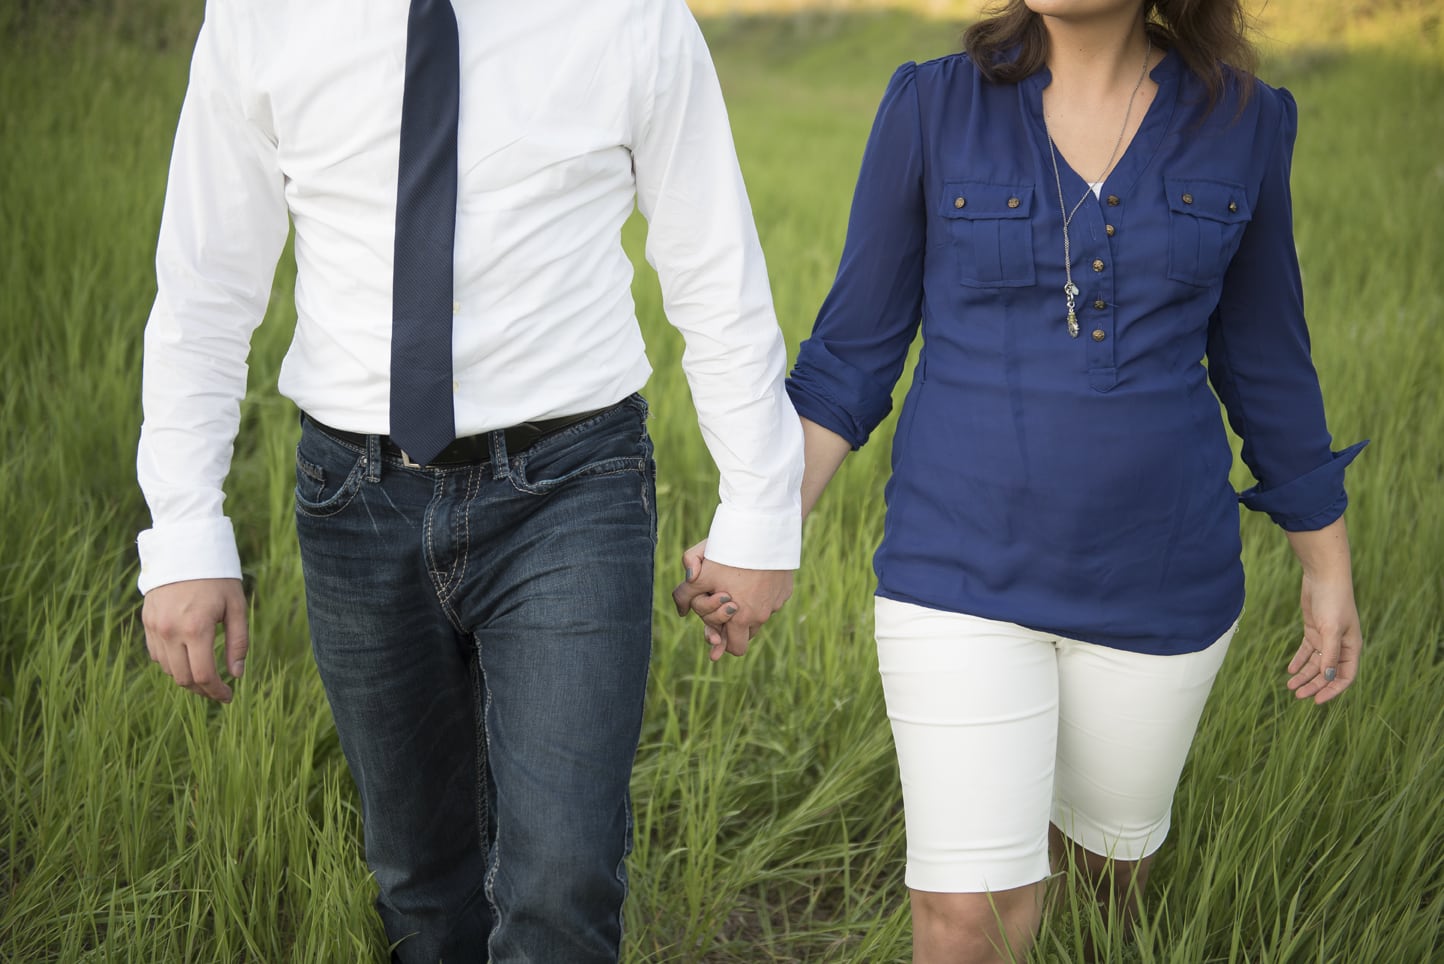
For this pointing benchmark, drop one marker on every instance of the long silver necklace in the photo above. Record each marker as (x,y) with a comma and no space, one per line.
(1070,290)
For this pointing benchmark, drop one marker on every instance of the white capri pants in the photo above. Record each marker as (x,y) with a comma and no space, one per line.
(1000,730)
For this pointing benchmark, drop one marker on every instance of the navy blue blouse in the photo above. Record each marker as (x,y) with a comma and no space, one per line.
(1075,485)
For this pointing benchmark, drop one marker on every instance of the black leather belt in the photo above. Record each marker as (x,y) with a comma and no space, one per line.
(472,448)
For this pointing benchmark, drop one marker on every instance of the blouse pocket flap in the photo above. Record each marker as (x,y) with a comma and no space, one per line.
(1221,201)
(977,201)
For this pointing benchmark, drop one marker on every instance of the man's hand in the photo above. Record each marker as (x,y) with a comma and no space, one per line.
(180,631)
(734,603)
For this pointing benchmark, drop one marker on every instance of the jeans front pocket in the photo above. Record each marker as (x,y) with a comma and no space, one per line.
(610,443)
(991,231)
(328,473)
(1206,221)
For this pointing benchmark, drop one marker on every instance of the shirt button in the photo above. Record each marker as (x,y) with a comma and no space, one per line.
(958,202)
(1188,199)
(1099,334)
(1112,200)
(1098,265)
(455,387)
(1100,304)
(1109,229)
(455,307)
(1013,202)
(1232,207)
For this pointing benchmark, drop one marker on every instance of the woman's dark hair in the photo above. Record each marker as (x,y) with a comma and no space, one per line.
(1009,43)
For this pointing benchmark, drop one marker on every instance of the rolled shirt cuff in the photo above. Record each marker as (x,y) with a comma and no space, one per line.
(841,398)
(756,538)
(196,549)
(1312,500)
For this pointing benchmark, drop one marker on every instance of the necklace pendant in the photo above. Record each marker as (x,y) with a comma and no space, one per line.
(1072,323)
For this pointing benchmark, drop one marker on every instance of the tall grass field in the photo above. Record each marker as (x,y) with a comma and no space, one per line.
(139,823)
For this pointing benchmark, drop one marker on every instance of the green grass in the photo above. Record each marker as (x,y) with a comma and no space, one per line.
(138,823)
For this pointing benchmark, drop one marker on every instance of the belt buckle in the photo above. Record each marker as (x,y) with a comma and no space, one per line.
(406,461)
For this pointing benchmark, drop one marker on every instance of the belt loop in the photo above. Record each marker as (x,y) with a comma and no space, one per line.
(373,458)
(500,462)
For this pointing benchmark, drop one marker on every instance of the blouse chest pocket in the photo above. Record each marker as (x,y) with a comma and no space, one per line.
(991,232)
(1206,220)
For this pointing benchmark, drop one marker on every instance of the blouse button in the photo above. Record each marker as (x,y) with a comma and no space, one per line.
(1013,202)
(1098,265)
(1100,304)
(1099,334)
(958,202)
(1112,200)
(1109,229)
(1232,207)
(1188,199)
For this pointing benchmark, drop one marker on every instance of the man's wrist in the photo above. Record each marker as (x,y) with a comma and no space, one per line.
(193,549)
(756,539)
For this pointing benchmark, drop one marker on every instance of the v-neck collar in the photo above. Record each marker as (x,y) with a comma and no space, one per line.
(1140,150)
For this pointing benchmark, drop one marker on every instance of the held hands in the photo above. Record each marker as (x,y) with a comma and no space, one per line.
(180,621)
(1327,660)
(732,602)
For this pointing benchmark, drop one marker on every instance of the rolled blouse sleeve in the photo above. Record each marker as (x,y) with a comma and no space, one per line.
(846,371)
(1258,352)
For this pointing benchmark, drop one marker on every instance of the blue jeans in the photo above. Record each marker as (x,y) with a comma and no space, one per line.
(483,632)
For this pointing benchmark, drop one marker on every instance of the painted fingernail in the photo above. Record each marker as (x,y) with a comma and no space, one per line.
(725,598)
(731,610)
(1329,674)
(689,573)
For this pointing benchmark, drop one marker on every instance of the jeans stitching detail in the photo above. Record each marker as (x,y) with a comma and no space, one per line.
(473,488)
(428,528)
(445,582)
(493,856)
(627,831)
(310,469)
(619,465)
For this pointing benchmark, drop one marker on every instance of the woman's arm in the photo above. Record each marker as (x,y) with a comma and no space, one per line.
(1260,363)
(823,451)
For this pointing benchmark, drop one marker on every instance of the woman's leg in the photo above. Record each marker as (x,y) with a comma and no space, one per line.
(1113,883)
(986,927)
(1126,721)
(973,705)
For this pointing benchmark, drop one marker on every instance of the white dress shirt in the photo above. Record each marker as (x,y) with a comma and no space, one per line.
(571,110)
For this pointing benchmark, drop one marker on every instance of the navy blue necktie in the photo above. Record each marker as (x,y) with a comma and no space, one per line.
(423,419)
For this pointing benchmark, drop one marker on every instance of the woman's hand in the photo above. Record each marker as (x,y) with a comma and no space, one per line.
(1327,661)
(714,608)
